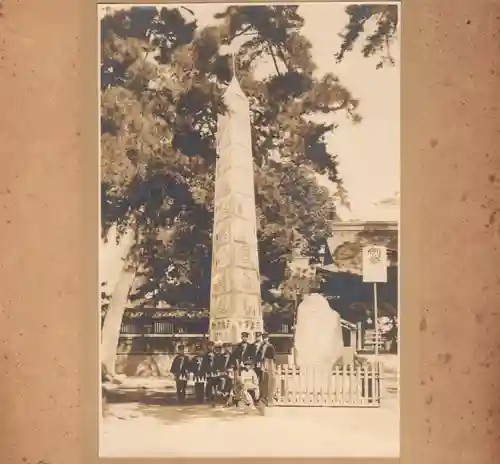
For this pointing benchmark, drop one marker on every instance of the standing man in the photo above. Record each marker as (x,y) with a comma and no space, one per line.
(258,340)
(267,382)
(208,370)
(268,348)
(198,376)
(224,365)
(243,351)
(180,369)
(258,358)
(217,369)
(225,358)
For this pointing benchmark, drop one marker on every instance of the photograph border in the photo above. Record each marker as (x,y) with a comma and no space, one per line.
(96,420)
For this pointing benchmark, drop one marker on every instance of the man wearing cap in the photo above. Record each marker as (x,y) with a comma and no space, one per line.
(198,376)
(243,351)
(180,369)
(226,364)
(228,385)
(268,354)
(222,364)
(268,348)
(208,370)
(258,358)
(217,368)
(224,360)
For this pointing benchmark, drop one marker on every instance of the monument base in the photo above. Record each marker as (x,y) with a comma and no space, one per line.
(229,330)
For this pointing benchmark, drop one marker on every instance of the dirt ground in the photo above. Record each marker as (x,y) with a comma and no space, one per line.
(139,430)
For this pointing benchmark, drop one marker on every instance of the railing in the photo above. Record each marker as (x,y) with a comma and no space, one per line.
(163,327)
(370,339)
(131,329)
(147,327)
(353,386)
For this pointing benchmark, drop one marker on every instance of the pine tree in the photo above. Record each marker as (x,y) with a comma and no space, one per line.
(162,81)
(385,21)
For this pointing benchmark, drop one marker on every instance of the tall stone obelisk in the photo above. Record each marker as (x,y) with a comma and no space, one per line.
(235,299)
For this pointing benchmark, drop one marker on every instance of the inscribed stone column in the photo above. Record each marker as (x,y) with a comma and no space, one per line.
(235,300)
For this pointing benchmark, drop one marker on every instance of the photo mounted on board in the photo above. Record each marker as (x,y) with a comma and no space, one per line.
(250,178)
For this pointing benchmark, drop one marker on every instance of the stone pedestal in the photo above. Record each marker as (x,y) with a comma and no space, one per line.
(235,300)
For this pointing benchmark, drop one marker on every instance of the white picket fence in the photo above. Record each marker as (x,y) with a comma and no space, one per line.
(346,386)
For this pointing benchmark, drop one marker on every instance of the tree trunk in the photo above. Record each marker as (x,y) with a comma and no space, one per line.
(110,334)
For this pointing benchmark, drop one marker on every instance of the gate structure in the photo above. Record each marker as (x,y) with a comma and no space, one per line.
(341,386)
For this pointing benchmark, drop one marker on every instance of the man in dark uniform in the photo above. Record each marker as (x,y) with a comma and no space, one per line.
(217,368)
(258,341)
(180,369)
(258,355)
(268,348)
(227,355)
(223,359)
(224,363)
(267,381)
(243,352)
(208,370)
(198,377)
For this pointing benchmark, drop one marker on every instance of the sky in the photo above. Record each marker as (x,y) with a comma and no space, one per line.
(369,152)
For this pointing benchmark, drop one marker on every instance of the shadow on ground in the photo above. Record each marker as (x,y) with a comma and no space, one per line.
(160,402)
(189,412)
(144,396)
(180,413)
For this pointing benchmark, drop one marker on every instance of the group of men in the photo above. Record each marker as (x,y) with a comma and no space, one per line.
(226,373)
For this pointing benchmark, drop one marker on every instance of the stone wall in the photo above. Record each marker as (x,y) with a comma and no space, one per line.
(158,365)
(144,365)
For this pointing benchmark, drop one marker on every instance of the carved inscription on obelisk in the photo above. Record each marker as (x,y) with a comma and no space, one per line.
(235,300)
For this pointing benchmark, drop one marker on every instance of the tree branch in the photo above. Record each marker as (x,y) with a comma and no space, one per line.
(329,109)
(273,57)
(238,34)
(282,56)
(188,10)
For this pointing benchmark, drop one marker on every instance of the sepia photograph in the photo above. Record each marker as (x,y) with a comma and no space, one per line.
(249,230)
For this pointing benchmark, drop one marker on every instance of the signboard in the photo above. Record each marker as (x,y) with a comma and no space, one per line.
(375,264)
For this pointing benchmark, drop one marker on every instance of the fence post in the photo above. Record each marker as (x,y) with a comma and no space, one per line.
(353,339)
(359,336)
(377,383)
(271,382)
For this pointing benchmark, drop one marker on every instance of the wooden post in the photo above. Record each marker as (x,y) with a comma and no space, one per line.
(375,317)
(270,384)
(359,336)
(295,313)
